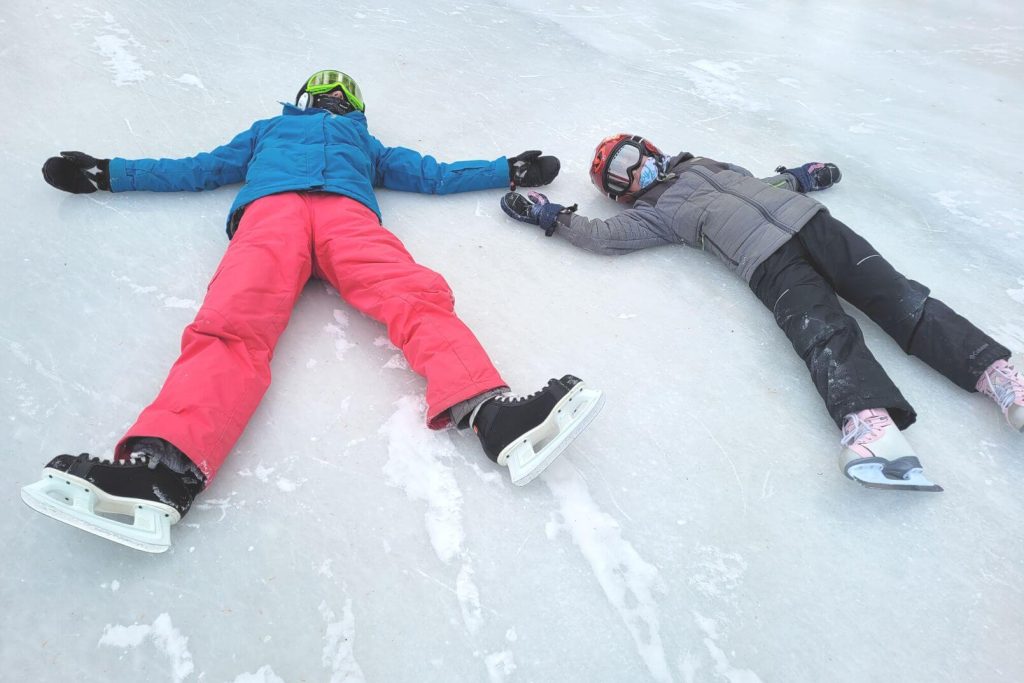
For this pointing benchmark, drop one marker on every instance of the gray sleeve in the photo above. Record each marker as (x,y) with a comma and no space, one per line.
(785,181)
(739,169)
(628,231)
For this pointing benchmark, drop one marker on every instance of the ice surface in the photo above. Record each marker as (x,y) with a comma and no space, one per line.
(699,531)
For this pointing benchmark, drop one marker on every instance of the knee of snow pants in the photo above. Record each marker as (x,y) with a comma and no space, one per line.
(844,371)
(224,368)
(376,275)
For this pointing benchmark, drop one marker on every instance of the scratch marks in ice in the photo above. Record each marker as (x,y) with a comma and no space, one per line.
(168,301)
(1017,294)
(339,640)
(114,46)
(263,474)
(716,574)
(949,199)
(723,668)
(628,581)
(721,6)
(500,665)
(221,503)
(415,464)
(264,674)
(718,83)
(341,343)
(397,361)
(189,79)
(165,637)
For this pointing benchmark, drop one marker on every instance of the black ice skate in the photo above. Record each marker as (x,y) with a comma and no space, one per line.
(133,503)
(527,434)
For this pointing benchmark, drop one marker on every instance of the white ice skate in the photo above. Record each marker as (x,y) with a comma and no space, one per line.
(876,454)
(1004,384)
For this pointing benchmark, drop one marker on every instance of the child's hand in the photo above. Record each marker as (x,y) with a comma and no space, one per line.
(537,210)
(530,169)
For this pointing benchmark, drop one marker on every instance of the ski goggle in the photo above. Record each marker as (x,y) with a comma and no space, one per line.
(623,162)
(325,81)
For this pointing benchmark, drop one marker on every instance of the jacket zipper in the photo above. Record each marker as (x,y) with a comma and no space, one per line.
(754,204)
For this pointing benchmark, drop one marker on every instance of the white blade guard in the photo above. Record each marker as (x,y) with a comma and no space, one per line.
(534,451)
(140,524)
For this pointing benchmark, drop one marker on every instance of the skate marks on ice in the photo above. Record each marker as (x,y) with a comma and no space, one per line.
(628,581)
(716,575)
(723,668)
(339,642)
(417,463)
(337,333)
(119,50)
(264,674)
(1017,294)
(164,636)
(167,301)
(116,45)
(337,655)
(631,583)
(397,360)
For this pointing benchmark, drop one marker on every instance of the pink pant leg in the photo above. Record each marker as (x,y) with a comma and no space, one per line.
(374,273)
(224,368)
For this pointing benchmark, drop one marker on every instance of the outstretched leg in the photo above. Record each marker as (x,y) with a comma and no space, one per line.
(209,396)
(224,368)
(829,341)
(922,326)
(374,273)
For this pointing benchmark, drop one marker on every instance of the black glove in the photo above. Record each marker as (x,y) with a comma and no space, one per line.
(530,169)
(814,176)
(70,172)
(536,210)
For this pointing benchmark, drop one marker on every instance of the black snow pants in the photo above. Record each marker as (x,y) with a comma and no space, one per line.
(801,282)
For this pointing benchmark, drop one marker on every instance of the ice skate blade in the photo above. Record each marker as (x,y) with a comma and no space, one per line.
(870,475)
(77,502)
(571,415)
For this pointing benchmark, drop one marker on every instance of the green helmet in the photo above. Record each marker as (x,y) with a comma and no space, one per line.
(315,92)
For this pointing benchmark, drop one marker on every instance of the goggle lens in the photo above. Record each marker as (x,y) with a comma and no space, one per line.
(325,81)
(618,175)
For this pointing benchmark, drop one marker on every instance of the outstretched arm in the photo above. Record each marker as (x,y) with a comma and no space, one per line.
(399,168)
(72,171)
(631,230)
(224,165)
(810,177)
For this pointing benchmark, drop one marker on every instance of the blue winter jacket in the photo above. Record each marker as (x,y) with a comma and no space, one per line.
(307,149)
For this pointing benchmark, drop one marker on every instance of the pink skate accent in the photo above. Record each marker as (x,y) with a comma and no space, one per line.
(865,427)
(1004,384)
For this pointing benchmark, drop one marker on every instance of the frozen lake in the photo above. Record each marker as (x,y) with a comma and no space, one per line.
(699,531)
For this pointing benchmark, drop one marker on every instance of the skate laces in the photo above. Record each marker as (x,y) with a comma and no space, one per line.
(1003,384)
(511,398)
(865,426)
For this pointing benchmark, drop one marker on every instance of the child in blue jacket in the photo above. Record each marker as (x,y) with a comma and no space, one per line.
(306,209)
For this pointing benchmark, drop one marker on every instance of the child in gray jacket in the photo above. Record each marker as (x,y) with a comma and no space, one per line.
(798,260)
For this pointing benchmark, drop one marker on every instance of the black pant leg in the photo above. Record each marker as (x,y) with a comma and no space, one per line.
(923,326)
(845,373)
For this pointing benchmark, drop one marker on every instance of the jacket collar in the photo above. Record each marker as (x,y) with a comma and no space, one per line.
(292,110)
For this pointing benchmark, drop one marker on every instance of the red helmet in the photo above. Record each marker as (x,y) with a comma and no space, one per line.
(616,162)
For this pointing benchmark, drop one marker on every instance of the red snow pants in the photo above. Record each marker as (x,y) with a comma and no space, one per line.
(224,368)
